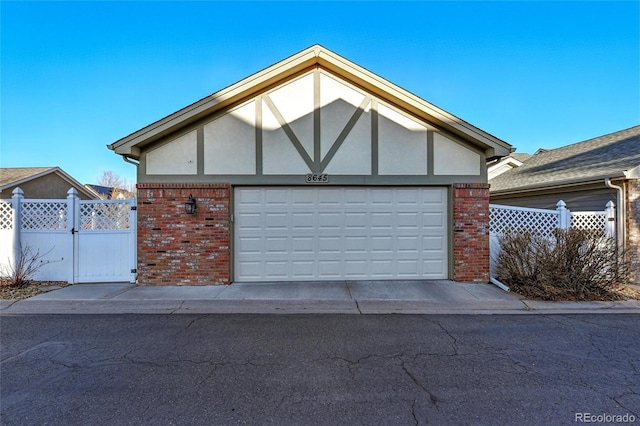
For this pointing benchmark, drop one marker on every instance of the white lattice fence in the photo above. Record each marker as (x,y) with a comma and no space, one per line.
(503,218)
(105,215)
(6,231)
(6,215)
(44,215)
(589,220)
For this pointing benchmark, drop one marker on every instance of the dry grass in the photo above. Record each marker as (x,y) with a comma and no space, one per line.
(574,265)
(32,288)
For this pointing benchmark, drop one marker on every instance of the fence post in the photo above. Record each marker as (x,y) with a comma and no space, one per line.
(73,226)
(16,203)
(564,219)
(610,224)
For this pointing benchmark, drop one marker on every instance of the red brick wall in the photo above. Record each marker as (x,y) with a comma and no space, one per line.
(175,248)
(471,232)
(633,228)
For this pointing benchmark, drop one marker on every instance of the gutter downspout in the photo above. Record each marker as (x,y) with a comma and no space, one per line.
(130,161)
(499,284)
(621,216)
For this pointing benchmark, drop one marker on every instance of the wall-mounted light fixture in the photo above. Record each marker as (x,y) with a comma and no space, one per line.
(190,205)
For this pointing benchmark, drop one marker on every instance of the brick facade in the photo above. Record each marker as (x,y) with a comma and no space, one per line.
(175,248)
(471,232)
(633,228)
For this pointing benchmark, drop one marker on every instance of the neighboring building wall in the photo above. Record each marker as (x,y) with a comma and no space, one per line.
(471,232)
(633,228)
(175,248)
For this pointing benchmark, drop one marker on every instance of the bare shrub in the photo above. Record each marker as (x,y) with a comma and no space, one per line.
(574,264)
(20,272)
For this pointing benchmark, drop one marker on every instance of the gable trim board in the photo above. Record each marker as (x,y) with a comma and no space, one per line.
(312,115)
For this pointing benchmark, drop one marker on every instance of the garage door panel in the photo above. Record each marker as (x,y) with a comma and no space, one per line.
(433,268)
(329,245)
(302,245)
(433,244)
(329,220)
(407,268)
(276,220)
(329,269)
(276,245)
(383,244)
(355,269)
(356,197)
(275,197)
(303,269)
(340,233)
(276,269)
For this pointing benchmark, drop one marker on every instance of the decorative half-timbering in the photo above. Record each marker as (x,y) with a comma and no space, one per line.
(332,173)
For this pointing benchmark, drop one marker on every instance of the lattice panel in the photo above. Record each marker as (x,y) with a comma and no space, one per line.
(6,215)
(503,219)
(589,220)
(101,216)
(47,215)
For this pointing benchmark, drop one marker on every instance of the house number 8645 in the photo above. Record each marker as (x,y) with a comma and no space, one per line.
(317,178)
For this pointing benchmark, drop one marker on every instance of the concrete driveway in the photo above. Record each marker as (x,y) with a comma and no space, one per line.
(352,297)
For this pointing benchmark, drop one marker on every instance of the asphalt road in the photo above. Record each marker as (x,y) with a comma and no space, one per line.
(319,369)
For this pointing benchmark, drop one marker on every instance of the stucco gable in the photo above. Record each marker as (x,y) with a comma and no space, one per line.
(314,57)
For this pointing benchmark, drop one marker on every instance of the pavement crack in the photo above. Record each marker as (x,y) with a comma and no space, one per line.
(178,308)
(434,400)
(413,412)
(454,340)
(616,399)
(193,321)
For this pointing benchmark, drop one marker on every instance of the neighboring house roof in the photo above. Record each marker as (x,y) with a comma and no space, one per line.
(104,191)
(15,176)
(520,156)
(607,156)
(505,164)
(314,56)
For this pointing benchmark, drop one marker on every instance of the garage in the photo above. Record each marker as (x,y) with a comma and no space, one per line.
(312,169)
(345,233)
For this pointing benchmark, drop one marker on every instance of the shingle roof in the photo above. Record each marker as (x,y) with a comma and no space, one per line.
(604,156)
(520,156)
(15,174)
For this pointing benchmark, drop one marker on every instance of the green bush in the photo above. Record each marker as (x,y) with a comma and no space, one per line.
(574,264)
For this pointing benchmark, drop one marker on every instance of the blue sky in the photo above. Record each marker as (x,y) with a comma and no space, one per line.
(76,76)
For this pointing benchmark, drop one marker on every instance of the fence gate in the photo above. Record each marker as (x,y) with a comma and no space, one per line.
(104,241)
(84,241)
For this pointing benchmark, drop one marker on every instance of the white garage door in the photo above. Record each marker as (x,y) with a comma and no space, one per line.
(336,233)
